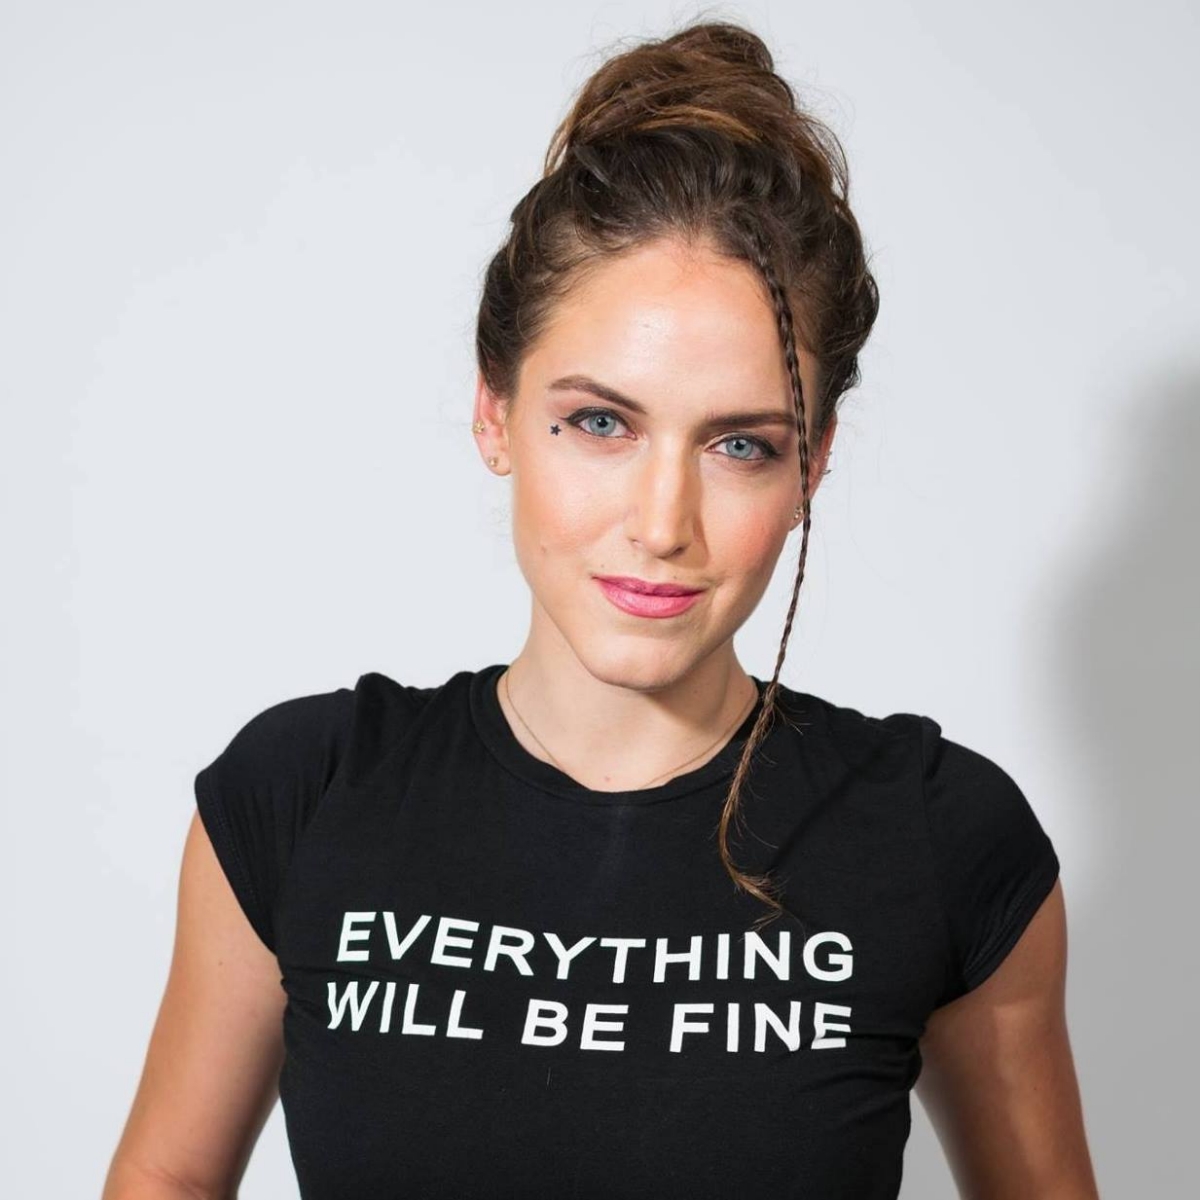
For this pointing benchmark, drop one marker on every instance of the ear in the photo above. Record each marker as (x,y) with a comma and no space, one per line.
(492,412)
(819,458)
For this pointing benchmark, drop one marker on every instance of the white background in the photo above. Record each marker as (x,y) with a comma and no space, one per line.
(242,246)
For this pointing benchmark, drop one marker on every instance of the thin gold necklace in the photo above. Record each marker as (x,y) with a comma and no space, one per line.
(724,736)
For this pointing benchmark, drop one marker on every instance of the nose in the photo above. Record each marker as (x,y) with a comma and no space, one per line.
(663,504)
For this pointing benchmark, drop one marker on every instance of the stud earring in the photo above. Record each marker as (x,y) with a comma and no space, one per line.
(492,461)
(479,427)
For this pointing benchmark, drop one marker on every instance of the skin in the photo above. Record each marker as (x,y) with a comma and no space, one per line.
(682,332)
(688,335)
(998,1077)
(211,1075)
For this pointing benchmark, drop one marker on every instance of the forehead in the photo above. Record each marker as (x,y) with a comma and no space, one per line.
(670,324)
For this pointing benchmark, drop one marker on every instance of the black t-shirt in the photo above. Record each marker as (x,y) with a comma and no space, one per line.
(502,983)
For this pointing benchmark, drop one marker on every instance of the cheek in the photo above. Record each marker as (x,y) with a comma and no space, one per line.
(557,509)
(747,540)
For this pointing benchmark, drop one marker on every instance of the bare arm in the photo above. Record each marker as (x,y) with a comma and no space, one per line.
(211,1073)
(999,1081)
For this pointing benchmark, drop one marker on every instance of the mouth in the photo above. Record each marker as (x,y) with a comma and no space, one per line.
(643,599)
(643,587)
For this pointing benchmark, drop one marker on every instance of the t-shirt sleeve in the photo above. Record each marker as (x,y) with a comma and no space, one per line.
(994,863)
(258,795)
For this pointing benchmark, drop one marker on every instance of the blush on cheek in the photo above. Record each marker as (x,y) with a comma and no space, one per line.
(563,492)
(754,546)
(747,554)
(555,516)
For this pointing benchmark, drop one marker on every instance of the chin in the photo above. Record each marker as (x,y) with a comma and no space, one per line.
(643,664)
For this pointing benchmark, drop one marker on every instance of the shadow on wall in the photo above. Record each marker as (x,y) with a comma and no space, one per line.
(1124,650)
(1118,632)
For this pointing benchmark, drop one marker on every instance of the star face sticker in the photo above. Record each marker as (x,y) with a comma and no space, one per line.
(554,429)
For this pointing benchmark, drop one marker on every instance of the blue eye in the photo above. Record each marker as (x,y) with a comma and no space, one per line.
(768,451)
(589,414)
(577,419)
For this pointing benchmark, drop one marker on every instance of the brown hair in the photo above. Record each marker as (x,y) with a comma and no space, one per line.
(695,136)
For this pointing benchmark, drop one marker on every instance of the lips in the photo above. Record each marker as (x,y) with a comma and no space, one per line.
(672,603)
(644,588)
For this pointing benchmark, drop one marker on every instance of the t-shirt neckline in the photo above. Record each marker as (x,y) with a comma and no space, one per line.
(497,735)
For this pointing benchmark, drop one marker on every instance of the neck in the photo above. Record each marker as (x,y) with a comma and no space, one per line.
(616,725)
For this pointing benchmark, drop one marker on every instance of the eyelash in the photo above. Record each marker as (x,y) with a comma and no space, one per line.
(577,418)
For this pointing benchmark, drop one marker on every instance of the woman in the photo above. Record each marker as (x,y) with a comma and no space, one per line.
(619,918)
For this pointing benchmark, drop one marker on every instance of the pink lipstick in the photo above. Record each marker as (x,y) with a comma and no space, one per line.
(645,599)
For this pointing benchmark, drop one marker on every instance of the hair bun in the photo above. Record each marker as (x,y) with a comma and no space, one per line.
(713,75)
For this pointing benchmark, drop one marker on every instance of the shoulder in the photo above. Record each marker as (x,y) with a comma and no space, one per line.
(993,859)
(864,739)
(305,737)
(299,729)
(967,790)
(259,795)
(868,744)
(988,858)
(965,795)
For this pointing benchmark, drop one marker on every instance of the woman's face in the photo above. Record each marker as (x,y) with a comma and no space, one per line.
(675,485)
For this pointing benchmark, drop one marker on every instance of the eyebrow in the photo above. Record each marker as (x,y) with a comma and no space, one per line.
(744,420)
